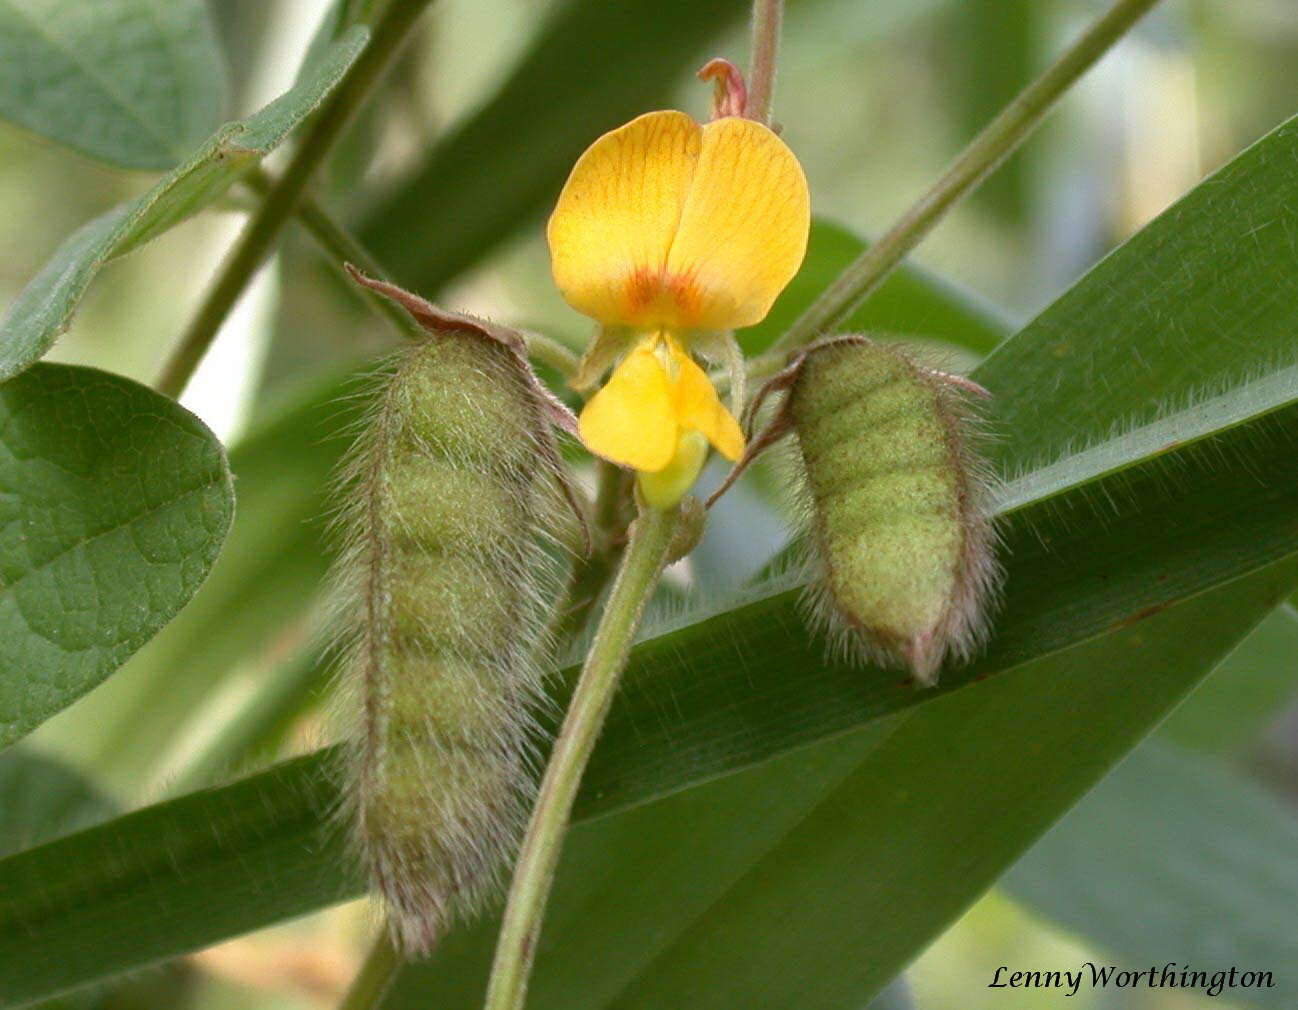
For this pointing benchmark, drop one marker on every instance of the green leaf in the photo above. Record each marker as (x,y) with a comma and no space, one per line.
(597,65)
(113,504)
(270,573)
(44,308)
(135,82)
(1230,710)
(911,302)
(1175,859)
(880,839)
(1198,304)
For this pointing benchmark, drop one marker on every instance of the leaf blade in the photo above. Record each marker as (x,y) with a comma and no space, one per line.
(44,308)
(115,504)
(133,82)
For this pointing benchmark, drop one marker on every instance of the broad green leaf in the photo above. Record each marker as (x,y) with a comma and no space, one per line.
(113,505)
(1249,689)
(597,65)
(134,82)
(45,307)
(43,799)
(1174,859)
(270,571)
(911,302)
(715,910)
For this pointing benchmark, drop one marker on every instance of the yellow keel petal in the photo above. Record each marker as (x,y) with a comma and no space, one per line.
(632,420)
(668,486)
(698,407)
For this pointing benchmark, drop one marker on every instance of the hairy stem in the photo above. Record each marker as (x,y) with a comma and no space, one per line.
(376,975)
(996,142)
(259,235)
(642,564)
(768,16)
(591,574)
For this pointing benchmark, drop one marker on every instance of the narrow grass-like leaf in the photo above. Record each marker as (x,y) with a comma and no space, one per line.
(934,816)
(1200,302)
(823,913)
(1232,708)
(1175,859)
(134,82)
(45,307)
(113,504)
(700,701)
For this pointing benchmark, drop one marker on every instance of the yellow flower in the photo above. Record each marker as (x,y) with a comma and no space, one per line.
(668,230)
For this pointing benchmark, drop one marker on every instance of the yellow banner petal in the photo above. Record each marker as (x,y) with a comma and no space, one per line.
(632,420)
(615,220)
(743,230)
(697,406)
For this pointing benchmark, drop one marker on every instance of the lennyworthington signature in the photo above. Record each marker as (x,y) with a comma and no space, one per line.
(1170,976)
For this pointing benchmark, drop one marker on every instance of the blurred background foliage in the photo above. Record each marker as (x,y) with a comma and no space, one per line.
(875,96)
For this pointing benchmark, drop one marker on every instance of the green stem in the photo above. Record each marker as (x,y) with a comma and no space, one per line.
(642,564)
(260,233)
(997,140)
(376,975)
(550,352)
(768,16)
(591,574)
(341,247)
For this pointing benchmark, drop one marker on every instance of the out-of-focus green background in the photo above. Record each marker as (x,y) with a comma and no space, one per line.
(874,96)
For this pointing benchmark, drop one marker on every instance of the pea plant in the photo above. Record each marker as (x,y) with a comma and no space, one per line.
(564,770)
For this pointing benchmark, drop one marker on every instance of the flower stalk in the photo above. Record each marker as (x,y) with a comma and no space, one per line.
(768,17)
(1000,138)
(642,564)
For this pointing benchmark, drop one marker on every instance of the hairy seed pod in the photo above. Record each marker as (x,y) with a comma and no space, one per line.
(446,581)
(898,512)
(896,502)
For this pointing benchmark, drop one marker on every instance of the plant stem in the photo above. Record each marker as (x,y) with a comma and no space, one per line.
(996,142)
(260,233)
(376,975)
(591,574)
(341,247)
(642,564)
(768,16)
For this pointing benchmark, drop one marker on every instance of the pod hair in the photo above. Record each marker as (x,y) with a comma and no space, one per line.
(452,499)
(896,501)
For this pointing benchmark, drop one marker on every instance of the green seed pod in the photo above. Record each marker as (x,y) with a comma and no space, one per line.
(446,584)
(896,502)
